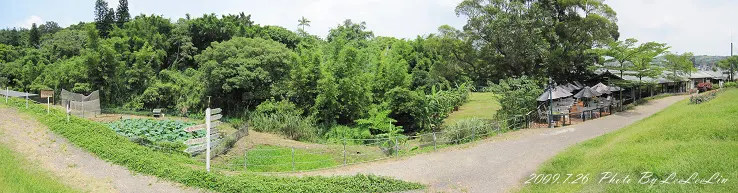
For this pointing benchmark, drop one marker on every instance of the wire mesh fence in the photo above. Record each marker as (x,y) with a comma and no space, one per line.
(81,105)
(276,159)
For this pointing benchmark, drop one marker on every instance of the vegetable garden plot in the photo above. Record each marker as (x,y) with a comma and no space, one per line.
(164,134)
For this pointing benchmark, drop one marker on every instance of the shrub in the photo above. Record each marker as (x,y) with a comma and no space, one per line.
(730,85)
(439,104)
(278,107)
(282,117)
(701,98)
(462,131)
(294,127)
(337,133)
(517,96)
(704,86)
(380,123)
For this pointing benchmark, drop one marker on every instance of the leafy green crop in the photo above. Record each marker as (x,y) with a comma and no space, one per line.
(155,130)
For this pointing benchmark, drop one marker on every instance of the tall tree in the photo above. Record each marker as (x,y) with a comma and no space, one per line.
(644,65)
(729,64)
(573,28)
(623,54)
(536,37)
(679,65)
(49,27)
(109,20)
(34,37)
(303,22)
(242,72)
(122,16)
(102,21)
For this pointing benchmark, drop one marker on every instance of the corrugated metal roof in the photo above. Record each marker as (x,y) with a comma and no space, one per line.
(627,75)
(701,74)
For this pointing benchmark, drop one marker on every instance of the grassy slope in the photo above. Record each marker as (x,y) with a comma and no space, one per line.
(17,175)
(106,144)
(480,105)
(682,138)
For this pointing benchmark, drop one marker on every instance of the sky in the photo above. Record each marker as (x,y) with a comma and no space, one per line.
(704,27)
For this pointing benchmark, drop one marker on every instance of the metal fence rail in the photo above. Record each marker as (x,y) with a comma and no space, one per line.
(356,151)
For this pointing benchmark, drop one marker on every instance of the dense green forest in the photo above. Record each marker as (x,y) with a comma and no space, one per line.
(350,82)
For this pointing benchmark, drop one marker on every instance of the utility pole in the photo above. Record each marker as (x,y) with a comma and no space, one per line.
(550,103)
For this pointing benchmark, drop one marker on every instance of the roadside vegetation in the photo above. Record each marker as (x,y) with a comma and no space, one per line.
(19,175)
(102,141)
(683,139)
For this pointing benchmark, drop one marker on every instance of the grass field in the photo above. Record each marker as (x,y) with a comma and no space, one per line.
(18,175)
(682,140)
(279,158)
(480,105)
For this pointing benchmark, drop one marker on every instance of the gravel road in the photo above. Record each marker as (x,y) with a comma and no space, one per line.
(500,163)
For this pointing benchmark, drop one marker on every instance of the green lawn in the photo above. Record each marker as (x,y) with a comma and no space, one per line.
(480,105)
(683,139)
(267,158)
(17,175)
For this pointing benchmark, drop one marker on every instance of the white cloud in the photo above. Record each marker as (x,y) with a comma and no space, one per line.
(30,21)
(702,27)
(398,18)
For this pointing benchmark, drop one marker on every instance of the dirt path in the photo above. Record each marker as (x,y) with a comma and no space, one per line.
(70,164)
(498,165)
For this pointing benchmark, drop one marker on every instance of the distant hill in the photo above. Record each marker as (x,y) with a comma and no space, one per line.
(704,62)
(701,62)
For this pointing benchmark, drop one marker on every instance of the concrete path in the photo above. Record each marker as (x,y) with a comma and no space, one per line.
(500,163)
(71,165)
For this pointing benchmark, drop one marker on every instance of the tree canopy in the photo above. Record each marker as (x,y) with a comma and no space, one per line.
(351,77)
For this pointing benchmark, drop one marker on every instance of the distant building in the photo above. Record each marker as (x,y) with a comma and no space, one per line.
(714,77)
(664,84)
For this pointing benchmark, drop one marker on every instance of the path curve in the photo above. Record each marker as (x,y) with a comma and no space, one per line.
(498,164)
(71,165)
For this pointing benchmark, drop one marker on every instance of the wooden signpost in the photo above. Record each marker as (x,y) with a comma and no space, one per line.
(211,120)
(200,140)
(48,94)
(201,126)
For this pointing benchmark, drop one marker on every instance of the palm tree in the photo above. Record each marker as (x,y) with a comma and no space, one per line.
(303,22)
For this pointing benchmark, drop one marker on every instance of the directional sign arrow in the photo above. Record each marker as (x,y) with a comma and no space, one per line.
(201,139)
(201,126)
(202,147)
(215,111)
(215,117)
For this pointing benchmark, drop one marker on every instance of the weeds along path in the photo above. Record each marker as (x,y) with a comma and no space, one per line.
(71,165)
(501,163)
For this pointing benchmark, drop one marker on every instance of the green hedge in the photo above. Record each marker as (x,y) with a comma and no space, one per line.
(107,145)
